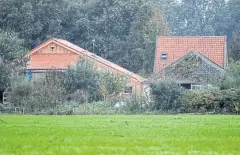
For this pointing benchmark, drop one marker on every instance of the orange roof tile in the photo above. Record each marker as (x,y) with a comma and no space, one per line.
(212,47)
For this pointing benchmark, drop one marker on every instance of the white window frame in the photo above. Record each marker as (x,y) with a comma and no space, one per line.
(196,87)
(164,56)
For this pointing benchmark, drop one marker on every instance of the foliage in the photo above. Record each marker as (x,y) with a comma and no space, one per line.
(234,21)
(125,32)
(165,95)
(198,18)
(120,28)
(132,106)
(34,20)
(111,85)
(21,89)
(195,101)
(83,78)
(92,85)
(11,46)
(235,46)
(231,79)
(36,97)
(4,76)
(112,24)
(47,94)
(221,101)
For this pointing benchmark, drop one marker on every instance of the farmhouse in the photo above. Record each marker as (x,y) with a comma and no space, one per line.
(59,54)
(191,61)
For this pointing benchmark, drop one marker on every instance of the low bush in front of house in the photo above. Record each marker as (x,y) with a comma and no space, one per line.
(166,96)
(221,101)
(94,108)
(82,91)
(169,97)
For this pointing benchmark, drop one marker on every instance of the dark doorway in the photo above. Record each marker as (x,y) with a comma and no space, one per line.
(1,96)
(186,86)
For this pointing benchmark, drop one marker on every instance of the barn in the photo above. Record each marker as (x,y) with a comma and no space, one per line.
(58,54)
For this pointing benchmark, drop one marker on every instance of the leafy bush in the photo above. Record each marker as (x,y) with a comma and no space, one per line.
(110,86)
(221,101)
(131,107)
(198,101)
(229,101)
(21,90)
(166,95)
(36,97)
(91,85)
(231,79)
(11,46)
(83,78)
(4,76)
(99,108)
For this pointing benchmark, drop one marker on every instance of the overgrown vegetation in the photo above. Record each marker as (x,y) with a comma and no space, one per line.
(69,89)
(125,33)
(170,97)
(4,76)
(166,95)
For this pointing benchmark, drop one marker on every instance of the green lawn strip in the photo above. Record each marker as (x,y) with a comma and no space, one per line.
(177,134)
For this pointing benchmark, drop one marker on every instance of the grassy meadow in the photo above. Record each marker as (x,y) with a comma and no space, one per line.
(173,134)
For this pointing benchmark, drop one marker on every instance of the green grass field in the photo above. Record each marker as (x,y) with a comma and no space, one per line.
(179,134)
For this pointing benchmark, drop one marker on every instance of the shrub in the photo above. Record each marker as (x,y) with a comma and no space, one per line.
(231,79)
(4,75)
(11,46)
(48,93)
(166,95)
(83,78)
(36,97)
(229,101)
(110,86)
(21,90)
(92,85)
(132,107)
(199,101)
(99,108)
(218,101)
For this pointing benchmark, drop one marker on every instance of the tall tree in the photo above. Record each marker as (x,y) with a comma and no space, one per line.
(234,20)
(4,75)
(11,46)
(235,46)
(34,20)
(112,24)
(197,17)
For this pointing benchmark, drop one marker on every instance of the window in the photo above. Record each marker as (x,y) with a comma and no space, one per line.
(52,47)
(128,89)
(164,56)
(196,87)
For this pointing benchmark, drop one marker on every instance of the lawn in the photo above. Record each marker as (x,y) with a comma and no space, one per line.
(176,134)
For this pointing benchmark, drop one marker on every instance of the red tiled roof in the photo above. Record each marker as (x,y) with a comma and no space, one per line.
(212,47)
(62,61)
